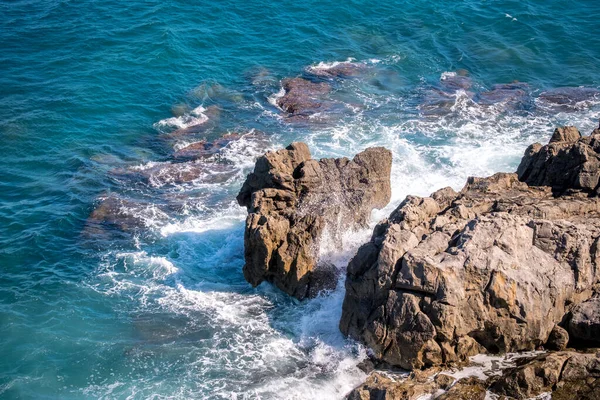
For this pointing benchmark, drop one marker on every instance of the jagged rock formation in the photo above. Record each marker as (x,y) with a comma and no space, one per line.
(568,375)
(492,268)
(569,161)
(292,198)
(417,385)
(565,374)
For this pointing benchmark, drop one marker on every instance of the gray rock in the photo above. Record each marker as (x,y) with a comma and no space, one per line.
(292,198)
(584,325)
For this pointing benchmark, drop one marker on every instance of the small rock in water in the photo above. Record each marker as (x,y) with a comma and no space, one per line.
(511,96)
(302,97)
(456,81)
(203,148)
(568,98)
(339,70)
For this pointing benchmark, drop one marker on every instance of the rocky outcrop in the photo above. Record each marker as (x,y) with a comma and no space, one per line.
(492,268)
(417,385)
(584,324)
(569,161)
(564,375)
(302,97)
(292,198)
(568,375)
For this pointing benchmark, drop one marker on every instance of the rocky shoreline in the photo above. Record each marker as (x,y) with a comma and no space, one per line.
(508,264)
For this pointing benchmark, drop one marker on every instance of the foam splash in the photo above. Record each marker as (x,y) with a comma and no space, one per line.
(195,117)
(324,66)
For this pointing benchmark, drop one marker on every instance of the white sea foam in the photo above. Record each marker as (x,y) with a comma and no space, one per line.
(324,66)
(272,99)
(447,75)
(195,117)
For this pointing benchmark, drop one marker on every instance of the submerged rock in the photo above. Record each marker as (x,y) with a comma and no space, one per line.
(459,80)
(568,98)
(492,268)
(167,174)
(199,123)
(510,96)
(302,97)
(203,148)
(344,69)
(292,198)
(114,215)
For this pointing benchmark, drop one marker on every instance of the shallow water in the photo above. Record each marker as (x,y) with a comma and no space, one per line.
(90,93)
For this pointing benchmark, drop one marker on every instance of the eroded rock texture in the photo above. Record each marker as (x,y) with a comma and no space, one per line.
(492,268)
(292,198)
(568,375)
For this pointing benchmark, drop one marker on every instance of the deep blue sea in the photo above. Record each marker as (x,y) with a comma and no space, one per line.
(154,305)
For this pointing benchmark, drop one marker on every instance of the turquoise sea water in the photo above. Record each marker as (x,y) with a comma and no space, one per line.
(91,89)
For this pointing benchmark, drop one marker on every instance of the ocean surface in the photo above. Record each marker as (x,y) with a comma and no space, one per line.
(149,301)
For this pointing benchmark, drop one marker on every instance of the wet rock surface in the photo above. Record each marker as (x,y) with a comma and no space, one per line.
(303,97)
(339,70)
(568,98)
(493,268)
(292,198)
(115,215)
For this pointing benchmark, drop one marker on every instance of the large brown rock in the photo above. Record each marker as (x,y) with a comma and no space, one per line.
(493,268)
(292,198)
(569,161)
